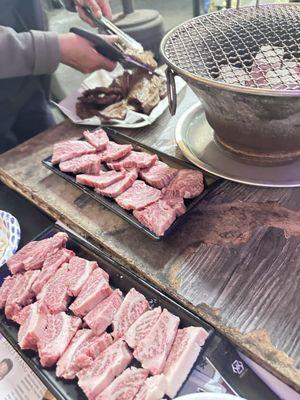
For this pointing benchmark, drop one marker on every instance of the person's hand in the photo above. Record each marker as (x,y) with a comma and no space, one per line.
(98,8)
(80,54)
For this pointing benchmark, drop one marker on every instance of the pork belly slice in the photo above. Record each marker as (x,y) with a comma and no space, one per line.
(33,254)
(50,266)
(175,202)
(138,196)
(101,316)
(153,350)
(86,164)
(110,363)
(79,270)
(119,187)
(95,289)
(102,181)
(133,306)
(33,321)
(141,327)
(136,159)
(6,288)
(60,329)
(154,388)
(183,354)
(21,294)
(158,217)
(54,294)
(97,139)
(125,386)
(64,151)
(81,352)
(188,183)
(115,151)
(158,175)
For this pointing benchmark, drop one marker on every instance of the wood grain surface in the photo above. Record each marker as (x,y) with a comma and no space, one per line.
(235,261)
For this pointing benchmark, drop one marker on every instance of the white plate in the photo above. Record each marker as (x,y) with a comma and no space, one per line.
(208,396)
(11,232)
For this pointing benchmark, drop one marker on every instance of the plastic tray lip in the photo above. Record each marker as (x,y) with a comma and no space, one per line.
(114,207)
(54,388)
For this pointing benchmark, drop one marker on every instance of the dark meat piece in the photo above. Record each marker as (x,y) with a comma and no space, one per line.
(123,83)
(85,111)
(145,58)
(115,111)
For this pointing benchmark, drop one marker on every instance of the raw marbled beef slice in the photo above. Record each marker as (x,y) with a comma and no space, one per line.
(102,181)
(159,175)
(86,164)
(138,196)
(64,151)
(98,139)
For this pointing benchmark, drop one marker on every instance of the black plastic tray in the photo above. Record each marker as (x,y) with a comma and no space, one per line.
(217,353)
(117,137)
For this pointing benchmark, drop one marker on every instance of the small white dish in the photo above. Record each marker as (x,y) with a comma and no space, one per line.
(10,235)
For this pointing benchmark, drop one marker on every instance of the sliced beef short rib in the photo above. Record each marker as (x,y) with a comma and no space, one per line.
(86,164)
(153,350)
(188,183)
(157,217)
(159,175)
(81,352)
(154,388)
(115,151)
(101,316)
(125,386)
(111,363)
(138,196)
(183,354)
(79,270)
(133,306)
(33,321)
(60,329)
(102,181)
(116,189)
(136,159)
(97,139)
(64,151)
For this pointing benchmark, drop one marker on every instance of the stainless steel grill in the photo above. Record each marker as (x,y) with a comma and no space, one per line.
(254,47)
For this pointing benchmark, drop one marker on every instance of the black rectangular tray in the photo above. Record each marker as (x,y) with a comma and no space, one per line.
(209,183)
(218,354)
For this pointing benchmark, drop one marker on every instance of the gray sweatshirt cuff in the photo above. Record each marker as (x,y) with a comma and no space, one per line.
(46,52)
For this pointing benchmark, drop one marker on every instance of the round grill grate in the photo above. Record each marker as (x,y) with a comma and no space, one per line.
(253,46)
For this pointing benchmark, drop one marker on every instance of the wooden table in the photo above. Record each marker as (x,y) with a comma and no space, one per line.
(235,261)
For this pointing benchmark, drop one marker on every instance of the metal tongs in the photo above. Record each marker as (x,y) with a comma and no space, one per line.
(109,27)
(110,51)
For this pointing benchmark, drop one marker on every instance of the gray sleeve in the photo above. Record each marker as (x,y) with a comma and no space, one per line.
(27,53)
(70,5)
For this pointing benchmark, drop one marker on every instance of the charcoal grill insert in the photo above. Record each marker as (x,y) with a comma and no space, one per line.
(253,46)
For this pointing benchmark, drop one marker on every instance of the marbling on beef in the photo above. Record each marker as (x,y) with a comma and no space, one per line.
(33,320)
(101,316)
(33,255)
(95,289)
(141,327)
(86,164)
(175,202)
(125,386)
(79,270)
(81,352)
(138,196)
(115,151)
(21,294)
(153,350)
(154,388)
(110,363)
(60,329)
(64,151)
(98,138)
(136,159)
(184,353)
(188,183)
(54,294)
(5,289)
(50,266)
(102,181)
(133,306)
(157,217)
(158,175)
(119,187)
